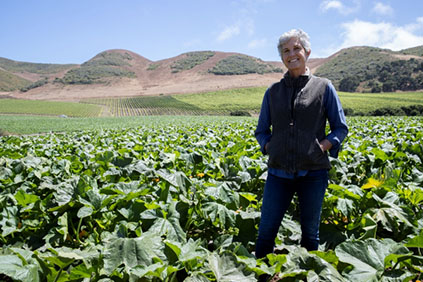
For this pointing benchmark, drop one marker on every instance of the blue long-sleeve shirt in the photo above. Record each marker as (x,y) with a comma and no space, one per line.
(335,116)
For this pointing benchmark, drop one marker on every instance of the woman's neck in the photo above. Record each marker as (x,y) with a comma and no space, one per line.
(297,73)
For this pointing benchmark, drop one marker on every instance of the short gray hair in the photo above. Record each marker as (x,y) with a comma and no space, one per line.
(296,33)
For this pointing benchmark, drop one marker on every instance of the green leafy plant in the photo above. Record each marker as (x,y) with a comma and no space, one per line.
(181,202)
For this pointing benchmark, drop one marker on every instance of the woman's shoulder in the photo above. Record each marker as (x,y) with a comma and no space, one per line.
(274,86)
(322,79)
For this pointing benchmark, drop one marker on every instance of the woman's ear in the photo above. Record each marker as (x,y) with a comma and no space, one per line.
(308,53)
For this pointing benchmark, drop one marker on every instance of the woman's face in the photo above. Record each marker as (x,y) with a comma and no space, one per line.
(294,56)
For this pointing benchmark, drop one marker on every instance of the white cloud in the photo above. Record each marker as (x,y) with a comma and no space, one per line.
(327,5)
(229,32)
(245,26)
(383,35)
(257,43)
(383,9)
(415,27)
(339,6)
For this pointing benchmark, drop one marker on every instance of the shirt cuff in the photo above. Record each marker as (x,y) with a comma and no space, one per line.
(262,146)
(334,150)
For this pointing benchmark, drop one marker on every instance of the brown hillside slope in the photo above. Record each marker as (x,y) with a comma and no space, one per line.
(154,78)
(158,77)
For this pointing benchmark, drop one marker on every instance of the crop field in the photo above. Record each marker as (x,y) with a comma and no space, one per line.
(366,102)
(49,108)
(222,102)
(148,106)
(24,125)
(180,201)
(244,99)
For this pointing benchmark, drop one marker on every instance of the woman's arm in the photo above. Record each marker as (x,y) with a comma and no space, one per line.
(263,132)
(337,122)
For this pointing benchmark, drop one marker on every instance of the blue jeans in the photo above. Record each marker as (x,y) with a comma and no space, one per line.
(278,194)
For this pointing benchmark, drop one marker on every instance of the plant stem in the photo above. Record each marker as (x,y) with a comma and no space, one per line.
(58,275)
(78,230)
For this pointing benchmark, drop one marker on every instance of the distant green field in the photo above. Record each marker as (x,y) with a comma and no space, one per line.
(50,108)
(146,106)
(250,99)
(365,102)
(222,102)
(44,124)
(209,103)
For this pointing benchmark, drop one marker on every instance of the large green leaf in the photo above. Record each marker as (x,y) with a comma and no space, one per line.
(186,252)
(14,267)
(177,179)
(225,269)
(9,220)
(219,214)
(416,241)
(166,223)
(367,258)
(300,263)
(223,194)
(130,252)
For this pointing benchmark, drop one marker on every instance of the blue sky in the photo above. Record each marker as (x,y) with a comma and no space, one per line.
(59,31)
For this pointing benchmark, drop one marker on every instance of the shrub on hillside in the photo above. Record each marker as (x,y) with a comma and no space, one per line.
(11,82)
(349,84)
(240,64)
(91,74)
(376,89)
(191,60)
(36,84)
(152,67)
(109,59)
(373,65)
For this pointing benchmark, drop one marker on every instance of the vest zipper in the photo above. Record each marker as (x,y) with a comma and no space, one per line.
(294,133)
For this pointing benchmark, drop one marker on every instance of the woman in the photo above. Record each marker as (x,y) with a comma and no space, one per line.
(291,130)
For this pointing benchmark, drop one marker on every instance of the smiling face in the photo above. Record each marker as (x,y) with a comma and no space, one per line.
(294,56)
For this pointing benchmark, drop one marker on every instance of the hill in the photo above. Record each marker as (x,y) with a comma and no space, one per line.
(369,69)
(117,73)
(11,82)
(15,75)
(122,73)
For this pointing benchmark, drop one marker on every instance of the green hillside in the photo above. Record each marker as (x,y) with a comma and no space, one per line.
(104,65)
(242,64)
(15,66)
(11,82)
(369,69)
(108,58)
(416,51)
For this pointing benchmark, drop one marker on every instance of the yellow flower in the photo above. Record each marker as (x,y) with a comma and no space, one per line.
(372,183)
